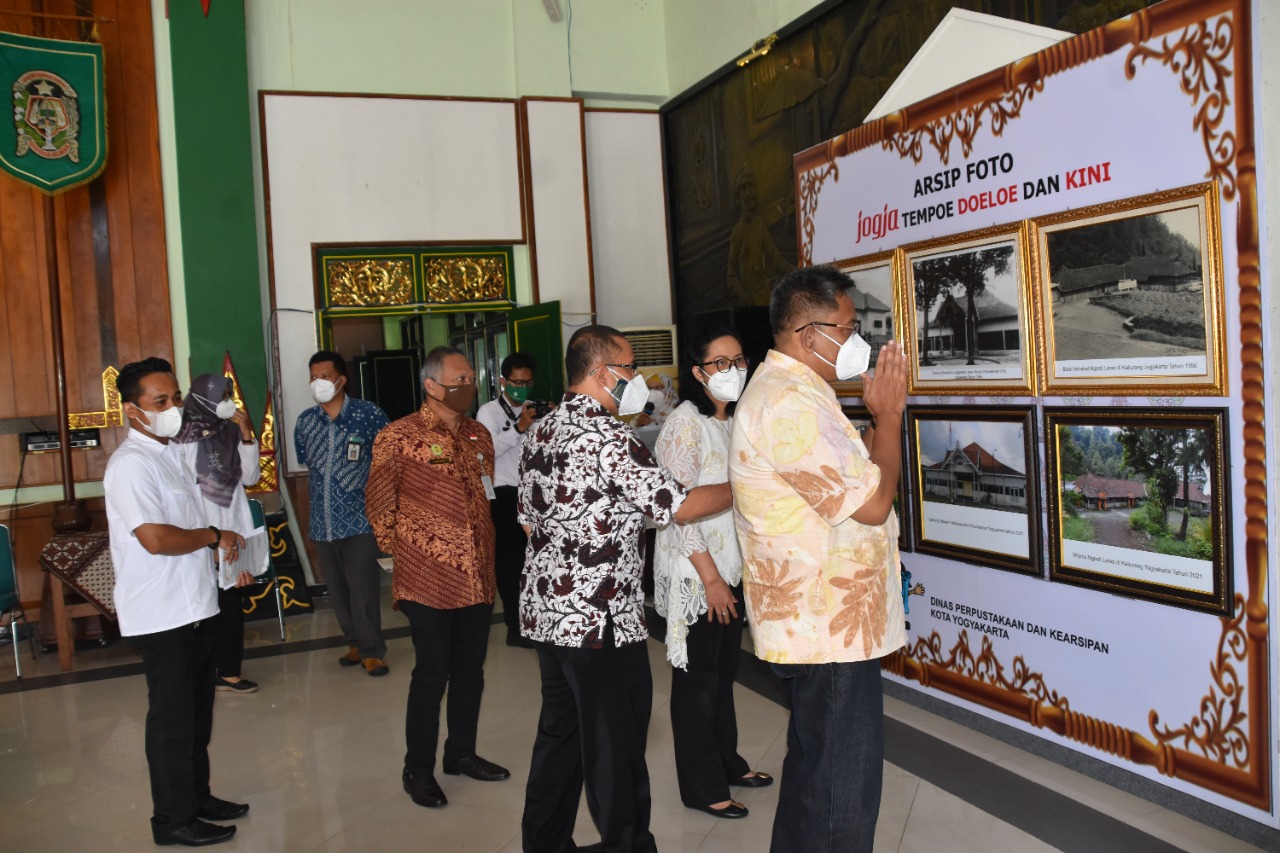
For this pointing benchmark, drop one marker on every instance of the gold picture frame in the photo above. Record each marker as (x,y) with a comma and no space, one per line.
(1129,297)
(1153,524)
(874,294)
(976,286)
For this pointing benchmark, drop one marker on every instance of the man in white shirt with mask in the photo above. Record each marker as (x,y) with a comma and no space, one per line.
(508,419)
(166,596)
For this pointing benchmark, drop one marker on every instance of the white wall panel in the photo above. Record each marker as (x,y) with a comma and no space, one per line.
(347,169)
(558,186)
(629,247)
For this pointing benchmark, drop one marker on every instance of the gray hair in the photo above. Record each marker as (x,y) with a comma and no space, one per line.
(434,362)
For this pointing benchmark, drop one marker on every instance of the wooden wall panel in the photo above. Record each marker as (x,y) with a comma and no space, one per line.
(29,529)
(111,251)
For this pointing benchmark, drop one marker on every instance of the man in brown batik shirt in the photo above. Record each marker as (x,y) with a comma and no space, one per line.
(428,501)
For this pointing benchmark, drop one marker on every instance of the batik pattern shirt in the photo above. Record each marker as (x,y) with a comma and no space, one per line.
(338,452)
(820,587)
(429,509)
(586,485)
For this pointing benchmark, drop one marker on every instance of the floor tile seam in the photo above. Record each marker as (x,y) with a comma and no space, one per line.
(755,679)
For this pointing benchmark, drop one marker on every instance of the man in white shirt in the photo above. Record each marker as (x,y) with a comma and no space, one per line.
(508,419)
(166,596)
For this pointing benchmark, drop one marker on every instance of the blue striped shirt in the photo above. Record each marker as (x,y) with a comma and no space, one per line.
(337,480)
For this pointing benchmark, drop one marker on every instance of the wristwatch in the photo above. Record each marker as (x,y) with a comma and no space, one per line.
(217,537)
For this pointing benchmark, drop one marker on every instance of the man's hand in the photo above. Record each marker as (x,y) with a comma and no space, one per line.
(241,419)
(244,579)
(526,418)
(885,395)
(229,545)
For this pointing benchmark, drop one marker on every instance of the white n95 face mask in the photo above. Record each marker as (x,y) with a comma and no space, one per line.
(727,387)
(225,409)
(164,424)
(323,390)
(852,360)
(632,396)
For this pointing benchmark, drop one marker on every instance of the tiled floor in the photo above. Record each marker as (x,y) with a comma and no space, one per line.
(318,751)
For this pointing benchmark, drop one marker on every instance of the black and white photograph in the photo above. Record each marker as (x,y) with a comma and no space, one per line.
(1137,501)
(871,291)
(973,482)
(968,317)
(1130,292)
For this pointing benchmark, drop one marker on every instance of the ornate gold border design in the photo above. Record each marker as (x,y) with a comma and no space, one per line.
(1249,781)
(111,416)
(1199,58)
(963,125)
(810,185)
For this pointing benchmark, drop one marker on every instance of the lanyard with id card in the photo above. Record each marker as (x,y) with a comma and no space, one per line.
(353,449)
(486,480)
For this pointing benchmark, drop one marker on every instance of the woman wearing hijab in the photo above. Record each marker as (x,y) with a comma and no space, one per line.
(218,444)
(697,585)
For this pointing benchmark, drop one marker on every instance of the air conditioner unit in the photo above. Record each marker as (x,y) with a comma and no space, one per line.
(655,349)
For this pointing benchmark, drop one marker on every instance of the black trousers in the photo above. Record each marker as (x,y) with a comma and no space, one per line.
(355,580)
(508,555)
(449,649)
(178,664)
(229,648)
(704,723)
(592,730)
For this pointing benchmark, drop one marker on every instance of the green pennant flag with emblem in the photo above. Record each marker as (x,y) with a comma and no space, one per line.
(56,138)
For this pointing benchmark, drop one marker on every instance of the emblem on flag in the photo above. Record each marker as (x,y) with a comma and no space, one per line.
(57,138)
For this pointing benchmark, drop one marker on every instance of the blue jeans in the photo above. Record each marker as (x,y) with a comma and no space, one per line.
(830,792)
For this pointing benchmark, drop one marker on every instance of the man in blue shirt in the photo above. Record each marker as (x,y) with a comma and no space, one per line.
(335,440)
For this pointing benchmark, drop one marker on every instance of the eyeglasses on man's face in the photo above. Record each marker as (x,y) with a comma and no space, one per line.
(630,368)
(723,364)
(855,328)
(520,383)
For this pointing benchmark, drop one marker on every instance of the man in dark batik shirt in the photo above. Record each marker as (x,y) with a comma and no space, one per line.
(586,486)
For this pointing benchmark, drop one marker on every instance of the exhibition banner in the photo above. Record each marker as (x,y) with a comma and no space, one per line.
(1070,244)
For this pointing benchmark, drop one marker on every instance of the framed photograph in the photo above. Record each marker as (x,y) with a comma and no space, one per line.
(965,319)
(872,288)
(861,420)
(1138,503)
(973,484)
(1130,297)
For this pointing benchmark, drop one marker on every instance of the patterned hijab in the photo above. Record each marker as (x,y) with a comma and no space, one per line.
(218,455)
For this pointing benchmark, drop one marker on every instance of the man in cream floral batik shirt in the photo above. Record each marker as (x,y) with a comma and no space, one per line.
(813,504)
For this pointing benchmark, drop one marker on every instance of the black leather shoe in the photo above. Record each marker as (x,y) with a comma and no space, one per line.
(733,810)
(424,790)
(197,833)
(220,810)
(477,768)
(760,780)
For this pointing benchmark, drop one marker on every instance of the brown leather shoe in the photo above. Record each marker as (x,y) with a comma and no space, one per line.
(375,666)
(351,658)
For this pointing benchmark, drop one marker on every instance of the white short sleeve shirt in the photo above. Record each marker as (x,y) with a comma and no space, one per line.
(148,483)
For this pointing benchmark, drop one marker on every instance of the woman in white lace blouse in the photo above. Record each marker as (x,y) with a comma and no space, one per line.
(697,571)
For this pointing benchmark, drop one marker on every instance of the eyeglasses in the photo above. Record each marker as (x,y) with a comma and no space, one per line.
(723,364)
(856,327)
(631,368)
(520,383)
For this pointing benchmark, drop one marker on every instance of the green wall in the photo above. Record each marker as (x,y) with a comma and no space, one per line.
(213,142)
